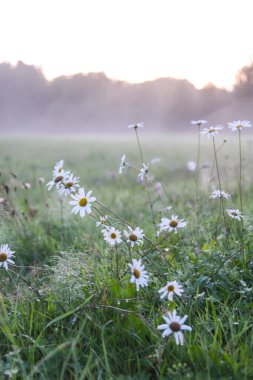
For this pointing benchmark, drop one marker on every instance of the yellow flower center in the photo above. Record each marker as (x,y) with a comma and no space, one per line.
(211,130)
(113,235)
(133,237)
(136,273)
(68,185)
(239,126)
(171,288)
(173,223)
(58,179)
(175,326)
(83,202)
(3,257)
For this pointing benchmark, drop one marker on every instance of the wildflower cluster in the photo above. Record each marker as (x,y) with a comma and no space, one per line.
(212,131)
(118,233)
(66,184)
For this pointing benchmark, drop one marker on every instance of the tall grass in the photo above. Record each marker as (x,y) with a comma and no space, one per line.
(69,312)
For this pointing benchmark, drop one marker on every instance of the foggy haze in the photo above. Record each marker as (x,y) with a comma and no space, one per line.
(94,103)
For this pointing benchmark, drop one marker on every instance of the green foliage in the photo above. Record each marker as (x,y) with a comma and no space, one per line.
(68,311)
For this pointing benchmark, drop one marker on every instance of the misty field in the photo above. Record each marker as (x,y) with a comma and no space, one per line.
(85,295)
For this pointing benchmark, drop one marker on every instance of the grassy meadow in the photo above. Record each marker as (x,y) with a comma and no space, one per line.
(67,307)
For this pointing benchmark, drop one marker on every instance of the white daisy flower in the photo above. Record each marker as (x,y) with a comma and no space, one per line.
(198,122)
(211,131)
(58,169)
(191,165)
(136,125)
(143,172)
(69,185)
(169,289)
(219,194)
(238,125)
(174,325)
(235,214)
(134,236)
(102,221)
(6,256)
(171,224)
(57,180)
(82,202)
(122,165)
(112,236)
(139,275)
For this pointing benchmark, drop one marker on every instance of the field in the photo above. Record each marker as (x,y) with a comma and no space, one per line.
(67,307)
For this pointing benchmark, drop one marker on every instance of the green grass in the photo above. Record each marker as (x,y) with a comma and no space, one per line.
(64,314)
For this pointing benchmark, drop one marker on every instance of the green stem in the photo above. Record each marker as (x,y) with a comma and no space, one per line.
(138,141)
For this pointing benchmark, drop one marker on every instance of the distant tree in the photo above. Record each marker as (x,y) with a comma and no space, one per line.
(244,81)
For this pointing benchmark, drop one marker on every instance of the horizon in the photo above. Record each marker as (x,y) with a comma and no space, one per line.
(40,69)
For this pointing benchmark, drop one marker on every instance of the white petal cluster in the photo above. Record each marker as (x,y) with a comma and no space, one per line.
(171,224)
(136,125)
(134,236)
(6,256)
(171,288)
(174,325)
(139,274)
(58,180)
(82,202)
(122,165)
(58,169)
(219,194)
(68,185)
(112,236)
(211,131)
(143,172)
(198,122)
(102,221)
(239,125)
(235,214)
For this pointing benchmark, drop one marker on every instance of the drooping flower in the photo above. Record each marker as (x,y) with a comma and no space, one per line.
(58,169)
(139,274)
(143,172)
(171,224)
(198,122)
(239,125)
(102,221)
(171,288)
(134,236)
(136,125)
(219,194)
(58,180)
(112,236)
(69,185)
(6,256)
(122,165)
(82,202)
(174,325)
(235,214)
(211,131)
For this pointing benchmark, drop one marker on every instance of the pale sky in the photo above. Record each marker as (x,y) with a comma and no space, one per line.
(133,40)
